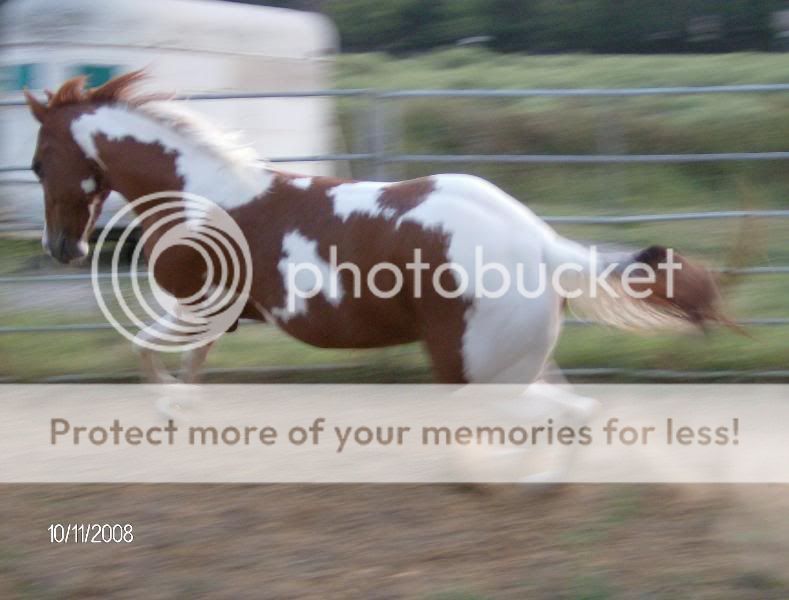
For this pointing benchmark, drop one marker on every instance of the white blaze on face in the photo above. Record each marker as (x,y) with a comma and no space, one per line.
(357,198)
(305,275)
(203,171)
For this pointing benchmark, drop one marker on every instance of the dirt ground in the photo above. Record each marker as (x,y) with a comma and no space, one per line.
(397,541)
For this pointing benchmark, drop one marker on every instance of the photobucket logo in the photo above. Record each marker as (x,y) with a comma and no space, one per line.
(148,315)
(594,276)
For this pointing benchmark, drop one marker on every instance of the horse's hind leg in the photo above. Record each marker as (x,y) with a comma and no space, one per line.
(443,339)
(509,351)
(565,408)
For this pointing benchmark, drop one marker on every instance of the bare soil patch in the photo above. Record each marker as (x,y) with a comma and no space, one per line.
(398,541)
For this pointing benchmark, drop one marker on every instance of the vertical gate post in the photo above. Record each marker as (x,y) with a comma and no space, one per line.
(610,139)
(378,136)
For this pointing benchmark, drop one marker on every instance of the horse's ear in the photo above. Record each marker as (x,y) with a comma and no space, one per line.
(37,109)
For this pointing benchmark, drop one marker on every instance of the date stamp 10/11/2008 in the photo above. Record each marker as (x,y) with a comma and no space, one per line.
(91,533)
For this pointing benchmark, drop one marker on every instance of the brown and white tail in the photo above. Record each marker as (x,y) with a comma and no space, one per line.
(686,296)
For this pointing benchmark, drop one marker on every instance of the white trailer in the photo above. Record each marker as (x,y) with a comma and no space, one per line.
(188,47)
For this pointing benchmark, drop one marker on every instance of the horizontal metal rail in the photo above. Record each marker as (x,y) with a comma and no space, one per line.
(66,277)
(481,93)
(281,159)
(587,92)
(587,159)
(625,219)
(58,328)
(576,159)
(273,371)
(675,374)
(350,92)
(658,218)
(82,327)
(263,371)
(33,279)
(745,323)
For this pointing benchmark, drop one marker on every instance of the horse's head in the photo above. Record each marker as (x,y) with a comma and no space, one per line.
(74,185)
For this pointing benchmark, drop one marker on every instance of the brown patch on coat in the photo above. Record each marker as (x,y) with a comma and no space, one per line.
(405,196)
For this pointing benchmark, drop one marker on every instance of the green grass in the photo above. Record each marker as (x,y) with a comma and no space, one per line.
(708,123)
(655,124)
(479,68)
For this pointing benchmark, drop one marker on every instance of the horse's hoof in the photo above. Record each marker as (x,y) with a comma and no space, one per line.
(174,400)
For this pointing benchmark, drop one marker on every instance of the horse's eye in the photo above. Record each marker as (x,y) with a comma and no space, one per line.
(36,166)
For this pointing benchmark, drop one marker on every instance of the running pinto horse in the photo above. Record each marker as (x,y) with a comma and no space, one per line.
(93,141)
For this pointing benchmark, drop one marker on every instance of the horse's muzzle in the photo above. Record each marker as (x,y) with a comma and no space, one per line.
(66,250)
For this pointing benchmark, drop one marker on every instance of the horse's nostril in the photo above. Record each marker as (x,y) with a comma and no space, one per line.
(65,250)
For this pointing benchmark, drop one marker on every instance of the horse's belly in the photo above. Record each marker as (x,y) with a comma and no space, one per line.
(352,326)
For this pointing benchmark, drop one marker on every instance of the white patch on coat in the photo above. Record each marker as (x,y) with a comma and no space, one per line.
(512,329)
(210,171)
(357,198)
(302,183)
(88,185)
(298,250)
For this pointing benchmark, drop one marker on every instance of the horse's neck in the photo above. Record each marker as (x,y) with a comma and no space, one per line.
(143,156)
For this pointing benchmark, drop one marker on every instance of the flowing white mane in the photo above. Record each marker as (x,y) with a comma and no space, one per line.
(202,132)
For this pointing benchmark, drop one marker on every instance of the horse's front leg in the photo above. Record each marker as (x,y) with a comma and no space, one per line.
(192,362)
(153,369)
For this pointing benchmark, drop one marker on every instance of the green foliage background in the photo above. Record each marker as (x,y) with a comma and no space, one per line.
(600,26)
